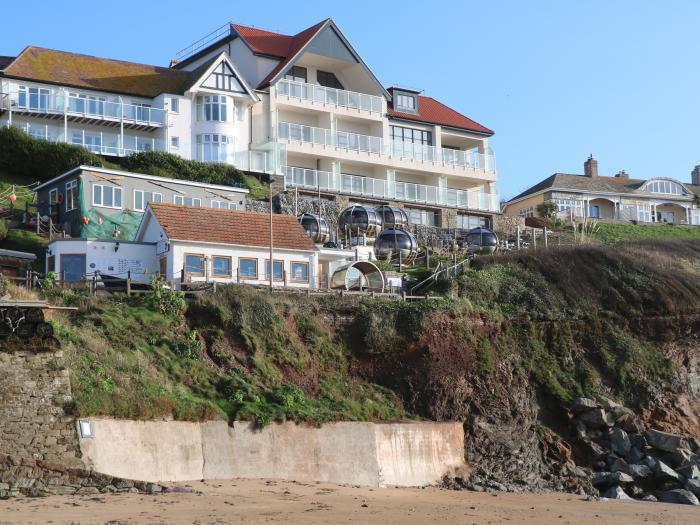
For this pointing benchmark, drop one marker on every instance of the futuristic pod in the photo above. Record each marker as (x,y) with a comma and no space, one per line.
(316,227)
(358,275)
(360,220)
(481,241)
(390,244)
(393,217)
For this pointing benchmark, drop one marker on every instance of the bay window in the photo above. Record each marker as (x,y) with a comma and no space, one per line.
(212,108)
(212,147)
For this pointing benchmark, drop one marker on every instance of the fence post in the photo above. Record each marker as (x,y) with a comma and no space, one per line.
(544,230)
(284,275)
(128,282)
(94,285)
(38,223)
(63,278)
(517,235)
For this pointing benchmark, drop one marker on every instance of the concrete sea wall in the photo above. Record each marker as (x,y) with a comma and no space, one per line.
(369,454)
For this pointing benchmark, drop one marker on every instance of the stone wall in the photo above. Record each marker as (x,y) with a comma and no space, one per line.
(403,454)
(35,401)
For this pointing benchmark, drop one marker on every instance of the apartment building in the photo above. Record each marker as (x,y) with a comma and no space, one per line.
(618,197)
(304,108)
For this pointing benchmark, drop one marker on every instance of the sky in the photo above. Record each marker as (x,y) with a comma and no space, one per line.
(556,80)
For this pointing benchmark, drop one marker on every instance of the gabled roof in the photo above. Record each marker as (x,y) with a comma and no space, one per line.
(103,74)
(432,111)
(600,184)
(220,226)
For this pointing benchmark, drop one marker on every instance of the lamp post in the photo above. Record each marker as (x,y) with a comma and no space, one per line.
(272,263)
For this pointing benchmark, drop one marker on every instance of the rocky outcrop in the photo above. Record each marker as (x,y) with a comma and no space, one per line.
(630,460)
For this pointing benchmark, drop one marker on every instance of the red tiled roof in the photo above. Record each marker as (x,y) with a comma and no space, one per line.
(435,112)
(276,44)
(245,228)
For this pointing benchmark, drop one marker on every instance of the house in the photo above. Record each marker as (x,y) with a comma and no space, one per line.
(103,203)
(304,107)
(617,197)
(196,244)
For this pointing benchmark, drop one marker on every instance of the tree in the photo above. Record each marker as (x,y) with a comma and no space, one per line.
(696,200)
(546,209)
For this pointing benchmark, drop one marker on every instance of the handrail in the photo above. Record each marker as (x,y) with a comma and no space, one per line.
(327,95)
(203,42)
(437,273)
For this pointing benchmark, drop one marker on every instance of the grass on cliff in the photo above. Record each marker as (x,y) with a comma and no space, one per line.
(238,354)
(614,233)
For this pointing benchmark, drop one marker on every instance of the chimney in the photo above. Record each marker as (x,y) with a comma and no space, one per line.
(590,167)
(622,175)
(695,176)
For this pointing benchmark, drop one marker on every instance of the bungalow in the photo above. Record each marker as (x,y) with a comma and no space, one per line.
(620,197)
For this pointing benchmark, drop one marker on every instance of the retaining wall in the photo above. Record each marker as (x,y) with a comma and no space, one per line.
(402,454)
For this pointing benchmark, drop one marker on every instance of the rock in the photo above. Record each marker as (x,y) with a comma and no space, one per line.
(583,404)
(665,441)
(682,496)
(678,458)
(607,403)
(595,449)
(689,471)
(650,497)
(662,471)
(619,411)
(616,493)
(620,442)
(619,465)
(639,471)
(637,440)
(629,423)
(604,479)
(694,444)
(597,418)
(693,485)
(580,429)
(635,455)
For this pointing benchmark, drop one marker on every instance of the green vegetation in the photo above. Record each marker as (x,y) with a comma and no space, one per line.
(26,241)
(546,209)
(612,233)
(32,160)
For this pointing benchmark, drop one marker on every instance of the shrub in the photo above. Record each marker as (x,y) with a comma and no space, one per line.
(3,229)
(546,209)
(164,300)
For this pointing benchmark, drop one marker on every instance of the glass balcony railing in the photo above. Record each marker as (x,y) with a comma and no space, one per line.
(327,95)
(377,145)
(384,189)
(44,101)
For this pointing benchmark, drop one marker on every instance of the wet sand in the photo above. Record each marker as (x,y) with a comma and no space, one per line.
(259,501)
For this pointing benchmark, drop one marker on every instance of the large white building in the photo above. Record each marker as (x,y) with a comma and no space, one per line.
(303,107)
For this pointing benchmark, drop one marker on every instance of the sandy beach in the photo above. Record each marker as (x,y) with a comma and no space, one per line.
(260,501)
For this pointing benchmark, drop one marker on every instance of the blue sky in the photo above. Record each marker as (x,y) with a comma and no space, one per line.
(556,80)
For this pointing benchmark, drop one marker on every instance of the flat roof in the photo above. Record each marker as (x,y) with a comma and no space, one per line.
(143,176)
(18,255)
(95,239)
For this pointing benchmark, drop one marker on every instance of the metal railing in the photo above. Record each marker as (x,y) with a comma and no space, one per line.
(219,33)
(87,107)
(382,189)
(348,141)
(326,95)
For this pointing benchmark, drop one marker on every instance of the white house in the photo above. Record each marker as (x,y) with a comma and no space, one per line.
(305,107)
(198,244)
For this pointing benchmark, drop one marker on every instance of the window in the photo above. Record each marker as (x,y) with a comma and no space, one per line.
(279,270)
(88,104)
(299,272)
(33,98)
(296,73)
(417,136)
(665,186)
(142,112)
(221,266)
(527,212)
(175,105)
(467,222)
(188,201)
(422,217)
(106,196)
(90,141)
(223,205)
(194,264)
(406,102)
(248,268)
(212,147)
(53,196)
(141,198)
(175,142)
(72,195)
(328,79)
(212,108)
(568,205)
(72,266)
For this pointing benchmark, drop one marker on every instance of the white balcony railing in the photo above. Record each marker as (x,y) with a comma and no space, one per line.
(344,140)
(43,102)
(382,189)
(292,89)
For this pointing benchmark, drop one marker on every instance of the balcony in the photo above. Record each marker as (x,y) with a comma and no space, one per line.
(331,98)
(82,108)
(389,191)
(406,155)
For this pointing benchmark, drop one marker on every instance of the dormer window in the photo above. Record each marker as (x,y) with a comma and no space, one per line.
(406,102)
(666,187)
(296,73)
